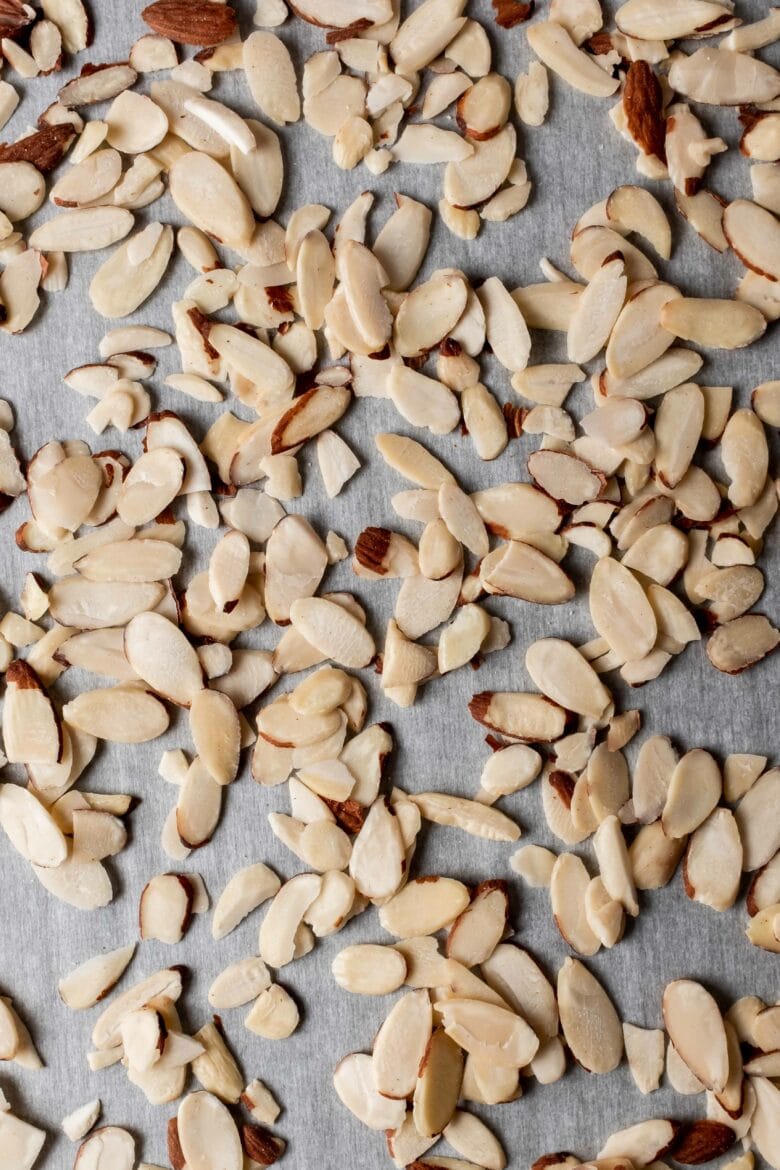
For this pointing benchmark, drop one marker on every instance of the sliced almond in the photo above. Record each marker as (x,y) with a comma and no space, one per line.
(590,1023)
(695,1027)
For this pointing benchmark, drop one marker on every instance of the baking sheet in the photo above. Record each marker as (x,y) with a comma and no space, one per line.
(573,160)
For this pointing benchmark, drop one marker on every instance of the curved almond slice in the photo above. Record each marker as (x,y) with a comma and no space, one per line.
(666,372)
(207,1134)
(591,1026)
(198,806)
(315,272)
(120,286)
(245,891)
(472,1138)
(597,310)
(296,560)
(400,1045)
(475,934)
(620,610)
(614,864)
(239,983)
(461,641)
(223,120)
(713,861)
(560,672)
(471,181)
(470,815)
(64,495)
(378,853)
(333,631)
(555,48)
(108,1146)
(223,211)
(438,1086)
(569,883)
(757,820)
(160,654)
(93,979)
(353,1080)
(124,714)
(32,732)
(285,914)
(86,229)
(369,969)
(311,414)
(153,481)
(260,172)
(654,856)
(724,78)
(410,459)
(30,828)
(488,1032)
(511,510)
(696,1029)
(462,518)
(424,906)
(519,716)
(694,791)
(19,285)
(719,324)
(635,209)
(704,212)
(98,174)
(362,280)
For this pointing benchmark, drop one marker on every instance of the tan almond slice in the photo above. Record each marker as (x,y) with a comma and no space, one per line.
(198,806)
(532,94)
(279,723)
(645,1056)
(722,77)
(506,329)
(704,212)
(88,180)
(757,822)
(333,631)
(369,969)
(401,1043)
(163,984)
(521,983)
(745,457)
(519,716)
(592,245)
(225,214)
(438,1085)
(245,891)
(137,560)
(652,776)
(462,640)
(472,180)
(377,862)
(742,643)
(472,816)
(284,916)
(424,906)
(85,229)
(483,109)
(720,324)
(207,1132)
(462,518)
(614,864)
(423,401)
(296,560)
(597,310)
(635,209)
(560,672)
(569,882)
(564,476)
(694,791)
(591,1026)
(274,1015)
(754,235)
(122,714)
(636,18)
(671,369)
(679,1075)
(654,856)
(740,772)
(620,610)
(93,979)
(429,312)
(518,569)
(239,983)
(660,554)
(21,1141)
(32,732)
(761,929)
(109,1144)
(401,244)
(644,1142)
(425,33)
(638,339)
(160,654)
(353,1080)
(555,48)
(124,282)
(513,509)
(97,834)
(411,460)
(488,1031)
(696,1029)
(143,1038)
(30,827)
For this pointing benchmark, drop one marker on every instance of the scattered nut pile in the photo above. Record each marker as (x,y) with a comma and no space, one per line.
(663,487)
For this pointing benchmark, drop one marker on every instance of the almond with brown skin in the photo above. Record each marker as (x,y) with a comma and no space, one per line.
(643,104)
(14,17)
(45,149)
(191,22)
(260,1145)
(701,1141)
(175,1155)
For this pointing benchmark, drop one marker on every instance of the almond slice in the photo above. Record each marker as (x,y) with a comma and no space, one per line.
(694,791)
(620,610)
(519,570)
(401,1043)
(555,48)
(720,324)
(32,732)
(93,979)
(560,672)
(353,1080)
(284,916)
(487,1031)
(597,310)
(225,214)
(589,1021)
(754,235)
(645,1056)
(424,906)
(569,882)
(519,716)
(722,77)
(207,1133)
(695,1027)
(108,1146)
(756,821)
(245,891)
(470,815)
(333,631)
(165,908)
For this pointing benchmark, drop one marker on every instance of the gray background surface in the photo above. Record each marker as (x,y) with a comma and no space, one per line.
(573,160)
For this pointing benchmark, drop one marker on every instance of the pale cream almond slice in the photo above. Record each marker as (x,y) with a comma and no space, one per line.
(761,293)
(315,271)
(260,1102)
(670,370)
(207,1133)
(462,640)
(78,1123)
(423,401)
(591,1026)
(532,94)
(725,78)
(569,883)
(486,1083)
(122,714)
(410,459)
(130,560)
(653,771)
(695,1027)
(592,245)
(124,281)
(88,180)
(252,358)
(654,856)
(22,1142)
(694,791)
(483,109)
(754,236)
(554,46)
(160,654)
(512,509)
(93,979)
(765,181)
(328,108)
(239,983)
(635,209)
(321,692)
(401,244)
(515,976)
(484,420)
(534,864)
(462,519)
(245,891)
(506,329)
(749,37)
(425,33)
(165,907)
(659,554)
(107,1146)
(761,929)
(163,984)
(225,214)
(284,916)
(745,457)
(438,1085)
(667,21)
(519,716)
(30,827)
(424,906)
(215,1068)
(85,229)
(487,1031)
(406,1143)
(97,834)
(473,180)
(216,733)
(64,495)
(19,283)
(198,806)
(429,312)
(565,477)
(765,401)
(401,1043)
(614,864)
(704,212)
(560,672)
(154,480)
(620,610)
(271,77)
(353,1080)
(333,631)
(282,725)
(757,821)
(645,1055)
(518,569)
(32,731)
(369,969)
(296,560)
(404,663)
(731,591)
(143,1038)
(644,1142)
(424,145)
(719,324)
(470,815)
(597,311)
(443,90)
(638,339)
(378,854)
(616,422)
(742,643)
(135,123)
